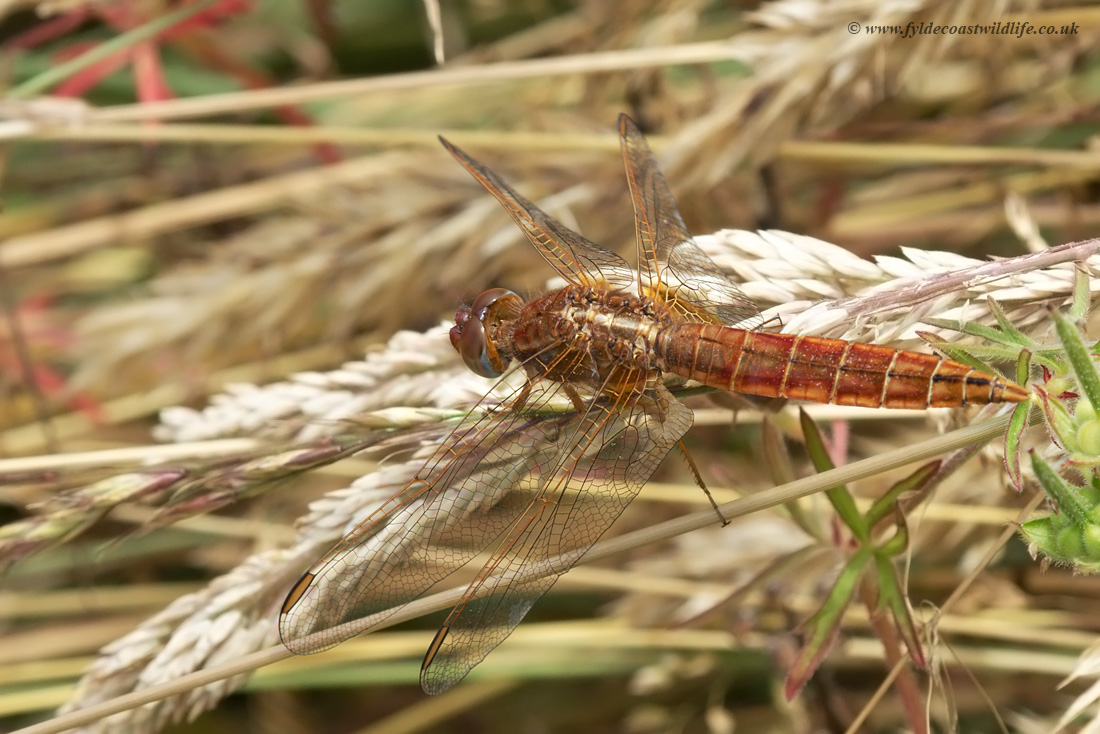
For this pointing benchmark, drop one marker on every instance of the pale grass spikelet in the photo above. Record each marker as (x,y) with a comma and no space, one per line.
(76,510)
(24,538)
(176,491)
(412,370)
(229,618)
(887,300)
(225,621)
(340,511)
(202,486)
(224,482)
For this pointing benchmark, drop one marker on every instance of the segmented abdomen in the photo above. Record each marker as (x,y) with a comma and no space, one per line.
(825,370)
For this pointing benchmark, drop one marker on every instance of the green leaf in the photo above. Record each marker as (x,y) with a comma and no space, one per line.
(898,542)
(1041,531)
(839,496)
(1009,331)
(913,482)
(824,625)
(1065,495)
(972,328)
(970,355)
(1062,426)
(1082,295)
(1017,424)
(1023,367)
(1083,367)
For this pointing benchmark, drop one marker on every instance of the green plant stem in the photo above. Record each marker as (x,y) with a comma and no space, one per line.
(40,84)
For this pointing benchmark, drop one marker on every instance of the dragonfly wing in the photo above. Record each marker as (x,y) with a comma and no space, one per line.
(576,259)
(672,268)
(698,287)
(610,455)
(453,509)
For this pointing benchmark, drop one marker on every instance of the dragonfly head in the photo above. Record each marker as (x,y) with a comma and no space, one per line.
(474,334)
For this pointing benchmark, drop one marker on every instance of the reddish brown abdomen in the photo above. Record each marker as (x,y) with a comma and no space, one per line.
(825,370)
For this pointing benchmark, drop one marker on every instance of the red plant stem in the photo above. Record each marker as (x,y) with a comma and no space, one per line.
(906,684)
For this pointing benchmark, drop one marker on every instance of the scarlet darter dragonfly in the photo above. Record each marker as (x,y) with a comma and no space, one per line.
(604,343)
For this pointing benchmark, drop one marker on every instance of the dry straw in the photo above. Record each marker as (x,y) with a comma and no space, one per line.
(321,254)
(410,392)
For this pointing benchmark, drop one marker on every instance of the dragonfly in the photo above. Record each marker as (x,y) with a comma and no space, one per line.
(535,489)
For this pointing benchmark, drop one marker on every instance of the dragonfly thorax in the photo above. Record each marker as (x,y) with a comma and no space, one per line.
(589,336)
(576,333)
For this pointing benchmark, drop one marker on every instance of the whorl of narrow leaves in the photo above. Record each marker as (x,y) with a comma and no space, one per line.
(1070,535)
(883,590)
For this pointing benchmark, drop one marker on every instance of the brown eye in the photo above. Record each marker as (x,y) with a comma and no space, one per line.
(469,336)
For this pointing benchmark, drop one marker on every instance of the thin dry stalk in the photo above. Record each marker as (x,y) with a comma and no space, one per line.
(233,601)
(406,372)
(866,141)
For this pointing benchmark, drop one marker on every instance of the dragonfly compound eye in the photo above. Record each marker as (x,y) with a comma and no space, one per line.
(472,334)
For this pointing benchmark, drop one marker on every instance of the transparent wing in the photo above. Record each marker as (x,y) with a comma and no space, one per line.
(605,457)
(430,528)
(671,267)
(581,471)
(576,259)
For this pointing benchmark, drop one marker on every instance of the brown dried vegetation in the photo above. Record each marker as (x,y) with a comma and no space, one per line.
(208,260)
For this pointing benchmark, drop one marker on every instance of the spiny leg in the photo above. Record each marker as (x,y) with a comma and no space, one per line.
(702,485)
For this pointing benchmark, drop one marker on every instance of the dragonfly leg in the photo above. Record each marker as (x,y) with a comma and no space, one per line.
(574,397)
(524,394)
(701,483)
